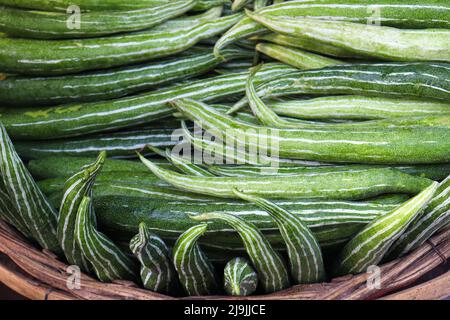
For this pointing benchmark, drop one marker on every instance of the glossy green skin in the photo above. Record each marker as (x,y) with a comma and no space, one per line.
(338,185)
(62,5)
(74,120)
(330,221)
(239,4)
(391,144)
(433,172)
(119,144)
(405,80)
(40,57)
(435,216)
(395,13)
(207,4)
(76,187)
(61,167)
(358,108)
(50,25)
(33,209)
(101,85)
(101,5)
(240,279)
(384,43)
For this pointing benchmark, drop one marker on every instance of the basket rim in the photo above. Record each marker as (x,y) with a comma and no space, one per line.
(30,268)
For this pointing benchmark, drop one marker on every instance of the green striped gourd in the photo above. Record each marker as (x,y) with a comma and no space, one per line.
(157,271)
(240,279)
(371,244)
(107,260)
(196,273)
(271,269)
(380,42)
(435,217)
(75,120)
(33,210)
(338,185)
(403,141)
(357,108)
(77,187)
(305,255)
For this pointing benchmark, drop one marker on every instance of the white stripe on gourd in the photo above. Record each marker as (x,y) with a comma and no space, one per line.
(371,244)
(304,252)
(107,260)
(34,211)
(196,273)
(77,187)
(435,217)
(239,277)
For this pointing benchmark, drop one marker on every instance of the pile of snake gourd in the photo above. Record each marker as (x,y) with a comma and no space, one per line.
(356,94)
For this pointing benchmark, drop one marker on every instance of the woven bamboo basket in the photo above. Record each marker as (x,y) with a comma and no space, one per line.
(37,274)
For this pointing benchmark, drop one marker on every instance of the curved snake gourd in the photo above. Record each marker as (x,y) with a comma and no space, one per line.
(271,269)
(196,273)
(77,187)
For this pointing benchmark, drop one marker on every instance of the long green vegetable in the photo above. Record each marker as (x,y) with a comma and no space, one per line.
(331,221)
(394,144)
(196,273)
(40,57)
(62,167)
(305,44)
(100,5)
(62,5)
(272,271)
(107,260)
(435,217)
(370,245)
(157,271)
(358,108)
(80,119)
(98,85)
(51,25)
(395,13)
(349,185)
(77,187)
(435,172)
(239,277)
(10,214)
(33,210)
(305,255)
(367,40)
(269,118)
(119,144)
(406,80)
